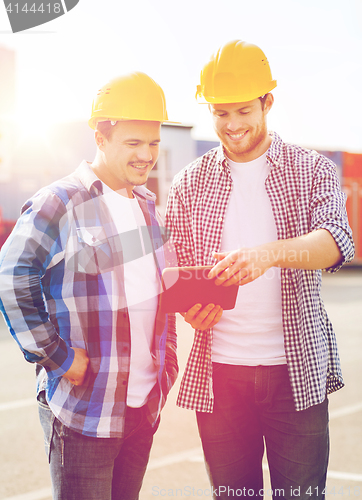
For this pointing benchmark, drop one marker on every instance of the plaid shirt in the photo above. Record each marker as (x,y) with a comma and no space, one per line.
(62,285)
(305,195)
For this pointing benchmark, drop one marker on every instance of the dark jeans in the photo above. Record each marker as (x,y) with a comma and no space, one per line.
(87,468)
(253,404)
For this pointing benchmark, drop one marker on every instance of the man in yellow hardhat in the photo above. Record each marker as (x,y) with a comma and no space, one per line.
(269,216)
(80,281)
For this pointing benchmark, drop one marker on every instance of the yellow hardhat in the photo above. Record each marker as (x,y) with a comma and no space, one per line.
(130,97)
(237,72)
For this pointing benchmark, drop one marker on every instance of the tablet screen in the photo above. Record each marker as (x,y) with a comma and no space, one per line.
(183,287)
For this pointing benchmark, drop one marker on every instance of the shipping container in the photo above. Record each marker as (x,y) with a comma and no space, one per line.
(352,186)
(352,165)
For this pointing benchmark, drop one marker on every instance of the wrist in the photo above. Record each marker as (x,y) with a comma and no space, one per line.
(270,254)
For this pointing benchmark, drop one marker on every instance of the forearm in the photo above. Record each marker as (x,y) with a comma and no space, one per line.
(315,250)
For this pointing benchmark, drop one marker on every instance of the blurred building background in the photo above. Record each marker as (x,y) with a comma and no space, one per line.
(31,160)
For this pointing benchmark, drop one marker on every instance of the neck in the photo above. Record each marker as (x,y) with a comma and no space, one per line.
(99,168)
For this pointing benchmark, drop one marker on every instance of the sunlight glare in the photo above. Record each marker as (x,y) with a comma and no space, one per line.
(42,102)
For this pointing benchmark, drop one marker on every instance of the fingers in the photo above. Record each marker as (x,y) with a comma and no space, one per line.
(78,380)
(233,276)
(74,381)
(217,317)
(235,268)
(230,263)
(225,260)
(78,370)
(220,255)
(191,313)
(203,318)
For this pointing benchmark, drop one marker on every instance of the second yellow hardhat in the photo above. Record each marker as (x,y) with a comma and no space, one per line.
(134,96)
(237,72)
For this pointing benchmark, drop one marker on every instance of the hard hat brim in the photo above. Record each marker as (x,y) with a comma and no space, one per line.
(246,97)
(93,121)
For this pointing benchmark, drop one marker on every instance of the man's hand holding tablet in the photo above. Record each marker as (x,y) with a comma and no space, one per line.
(198,298)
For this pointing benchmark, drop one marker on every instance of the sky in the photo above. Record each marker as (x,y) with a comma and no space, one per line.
(314,48)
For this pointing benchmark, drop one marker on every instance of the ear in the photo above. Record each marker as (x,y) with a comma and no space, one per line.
(100,139)
(269,101)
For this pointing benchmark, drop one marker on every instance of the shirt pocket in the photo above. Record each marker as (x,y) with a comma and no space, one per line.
(90,252)
(93,236)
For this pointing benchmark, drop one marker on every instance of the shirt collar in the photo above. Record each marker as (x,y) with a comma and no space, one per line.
(220,155)
(274,152)
(88,178)
(222,159)
(143,192)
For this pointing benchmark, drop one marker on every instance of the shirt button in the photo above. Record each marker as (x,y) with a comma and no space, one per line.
(220,219)
(228,188)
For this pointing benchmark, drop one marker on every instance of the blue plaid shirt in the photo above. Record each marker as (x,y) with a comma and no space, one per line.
(58,272)
(305,195)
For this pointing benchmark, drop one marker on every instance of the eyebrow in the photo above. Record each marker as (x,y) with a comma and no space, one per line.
(134,139)
(227,111)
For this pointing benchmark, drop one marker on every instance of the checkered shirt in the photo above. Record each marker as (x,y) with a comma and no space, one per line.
(62,285)
(305,195)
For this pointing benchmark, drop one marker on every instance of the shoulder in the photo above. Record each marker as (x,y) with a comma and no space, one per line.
(58,195)
(292,155)
(197,170)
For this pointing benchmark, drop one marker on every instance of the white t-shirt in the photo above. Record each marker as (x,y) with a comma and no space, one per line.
(251,333)
(142,288)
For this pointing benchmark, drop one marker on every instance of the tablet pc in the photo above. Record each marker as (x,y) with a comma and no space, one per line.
(183,287)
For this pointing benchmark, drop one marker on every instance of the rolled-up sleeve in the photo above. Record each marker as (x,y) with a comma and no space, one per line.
(328,210)
(171,349)
(179,227)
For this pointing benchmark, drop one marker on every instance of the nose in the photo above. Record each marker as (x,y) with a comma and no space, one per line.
(234,123)
(144,153)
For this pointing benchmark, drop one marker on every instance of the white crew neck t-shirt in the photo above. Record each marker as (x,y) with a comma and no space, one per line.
(252,333)
(142,290)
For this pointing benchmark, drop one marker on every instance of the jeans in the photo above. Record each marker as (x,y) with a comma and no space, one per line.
(88,468)
(253,406)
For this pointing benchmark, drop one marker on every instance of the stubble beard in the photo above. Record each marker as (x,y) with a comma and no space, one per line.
(250,146)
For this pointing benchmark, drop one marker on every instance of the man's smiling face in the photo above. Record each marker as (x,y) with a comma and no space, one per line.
(241,128)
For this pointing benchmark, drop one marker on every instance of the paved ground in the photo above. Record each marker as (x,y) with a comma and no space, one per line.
(176,468)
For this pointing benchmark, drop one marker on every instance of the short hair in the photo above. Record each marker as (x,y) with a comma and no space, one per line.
(105,128)
(263,99)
